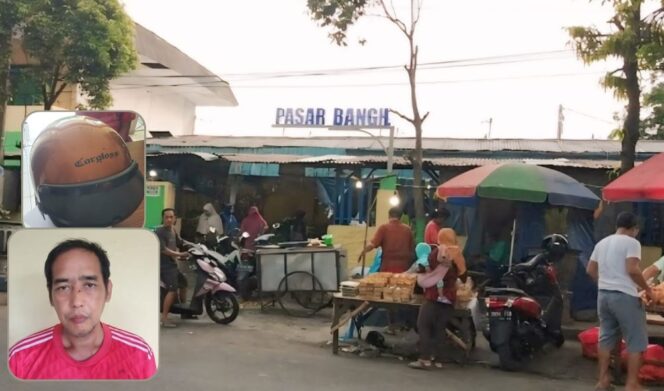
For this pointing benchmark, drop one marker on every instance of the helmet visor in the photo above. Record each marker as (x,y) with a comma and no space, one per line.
(99,203)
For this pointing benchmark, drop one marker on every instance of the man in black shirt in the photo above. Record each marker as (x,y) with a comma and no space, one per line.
(169,244)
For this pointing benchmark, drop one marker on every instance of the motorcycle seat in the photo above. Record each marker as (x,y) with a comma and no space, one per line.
(531,264)
(505,291)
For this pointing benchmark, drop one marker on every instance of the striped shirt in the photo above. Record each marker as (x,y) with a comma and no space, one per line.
(122,355)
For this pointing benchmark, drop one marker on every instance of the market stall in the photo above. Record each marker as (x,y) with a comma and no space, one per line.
(394,292)
(644,182)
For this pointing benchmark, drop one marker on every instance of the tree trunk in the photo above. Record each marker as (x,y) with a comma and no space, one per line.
(5,64)
(632,120)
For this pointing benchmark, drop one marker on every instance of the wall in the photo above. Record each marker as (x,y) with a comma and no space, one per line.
(134,256)
(162,109)
(16,115)
(351,239)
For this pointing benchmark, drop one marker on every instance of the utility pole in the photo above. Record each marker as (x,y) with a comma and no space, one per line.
(490,122)
(561,120)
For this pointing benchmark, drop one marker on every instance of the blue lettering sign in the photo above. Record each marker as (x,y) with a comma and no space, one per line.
(280,115)
(338,116)
(310,116)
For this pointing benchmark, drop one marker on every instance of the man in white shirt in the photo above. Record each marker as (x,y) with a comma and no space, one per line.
(614,265)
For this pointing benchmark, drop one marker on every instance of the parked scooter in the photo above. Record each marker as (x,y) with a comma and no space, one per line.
(210,290)
(525,315)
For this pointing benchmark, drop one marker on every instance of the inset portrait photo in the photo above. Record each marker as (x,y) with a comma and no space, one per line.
(83,169)
(83,304)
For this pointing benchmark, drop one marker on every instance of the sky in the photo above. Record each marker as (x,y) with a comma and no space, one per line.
(241,41)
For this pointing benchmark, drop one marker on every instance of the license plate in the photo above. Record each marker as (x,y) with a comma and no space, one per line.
(501,315)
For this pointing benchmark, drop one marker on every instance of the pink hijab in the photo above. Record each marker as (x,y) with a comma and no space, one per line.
(254,224)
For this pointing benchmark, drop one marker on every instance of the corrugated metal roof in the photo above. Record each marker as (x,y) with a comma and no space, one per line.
(440,144)
(470,162)
(208,157)
(398,161)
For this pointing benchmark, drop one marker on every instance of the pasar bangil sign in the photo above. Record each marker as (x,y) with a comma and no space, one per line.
(317,116)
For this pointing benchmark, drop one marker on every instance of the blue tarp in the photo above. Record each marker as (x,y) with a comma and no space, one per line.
(530,229)
(580,235)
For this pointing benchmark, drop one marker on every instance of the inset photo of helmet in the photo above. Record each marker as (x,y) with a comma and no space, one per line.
(83,174)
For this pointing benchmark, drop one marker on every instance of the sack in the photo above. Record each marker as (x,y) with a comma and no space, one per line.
(648,372)
(590,341)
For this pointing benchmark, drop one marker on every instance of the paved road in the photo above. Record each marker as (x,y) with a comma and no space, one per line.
(272,352)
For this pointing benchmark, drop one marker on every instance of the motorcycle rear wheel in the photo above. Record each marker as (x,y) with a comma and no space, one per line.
(222,307)
(507,360)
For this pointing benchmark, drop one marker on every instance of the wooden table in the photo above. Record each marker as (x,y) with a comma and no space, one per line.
(357,305)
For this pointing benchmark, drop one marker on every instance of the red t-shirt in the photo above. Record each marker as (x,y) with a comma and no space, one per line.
(431,233)
(122,355)
(396,240)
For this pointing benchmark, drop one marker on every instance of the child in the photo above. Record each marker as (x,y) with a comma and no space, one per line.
(423,250)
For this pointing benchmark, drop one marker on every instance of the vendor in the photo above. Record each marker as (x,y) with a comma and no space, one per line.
(435,313)
(655,272)
(396,240)
(438,218)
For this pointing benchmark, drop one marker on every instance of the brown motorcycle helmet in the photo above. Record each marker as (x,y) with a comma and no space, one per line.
(84,175)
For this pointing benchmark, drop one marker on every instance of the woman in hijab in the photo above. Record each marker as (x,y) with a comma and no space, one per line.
(209,218)
(254,224)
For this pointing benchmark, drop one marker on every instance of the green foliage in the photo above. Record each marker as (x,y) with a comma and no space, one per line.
(338,15)
(653,126)
(85,42)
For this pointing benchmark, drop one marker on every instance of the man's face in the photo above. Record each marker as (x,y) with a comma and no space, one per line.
(78,293)
(169,218)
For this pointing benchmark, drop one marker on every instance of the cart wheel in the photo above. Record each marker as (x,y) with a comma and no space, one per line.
(301,294)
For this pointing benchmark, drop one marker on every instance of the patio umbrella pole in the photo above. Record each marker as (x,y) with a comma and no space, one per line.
(512,244)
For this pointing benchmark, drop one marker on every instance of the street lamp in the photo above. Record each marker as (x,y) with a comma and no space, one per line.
(389,150)
(394,200)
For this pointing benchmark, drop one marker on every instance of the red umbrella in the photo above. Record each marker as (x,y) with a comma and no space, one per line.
(644,182)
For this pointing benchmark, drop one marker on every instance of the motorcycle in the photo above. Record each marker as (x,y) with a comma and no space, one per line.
(525,314)
(211,289)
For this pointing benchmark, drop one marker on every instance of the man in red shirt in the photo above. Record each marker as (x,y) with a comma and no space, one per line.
(438,218)
(80,346)
(396,240)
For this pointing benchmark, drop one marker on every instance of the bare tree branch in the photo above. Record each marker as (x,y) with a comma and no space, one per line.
(402,116)
(425,116)
(393,18)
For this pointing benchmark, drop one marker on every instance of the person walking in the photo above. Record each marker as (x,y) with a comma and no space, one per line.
(614,265)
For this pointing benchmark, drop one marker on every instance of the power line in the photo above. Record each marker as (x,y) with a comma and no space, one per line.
(444,64)
(589,116)
(383,84)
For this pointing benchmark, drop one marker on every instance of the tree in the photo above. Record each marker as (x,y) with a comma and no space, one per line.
(339,15)
(653,125)
(639,43)
(84,42)
(11,12)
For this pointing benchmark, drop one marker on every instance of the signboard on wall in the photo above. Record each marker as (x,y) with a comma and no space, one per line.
(320,117)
